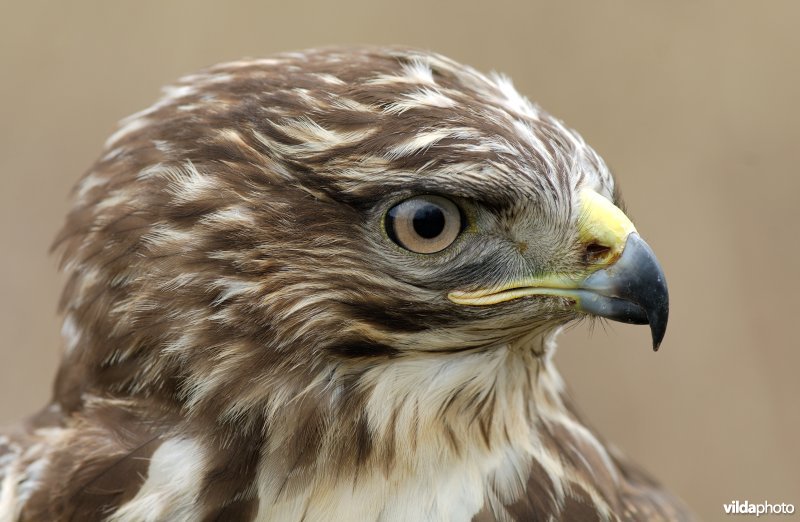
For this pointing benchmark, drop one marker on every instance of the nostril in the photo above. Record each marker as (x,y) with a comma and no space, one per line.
(596,252)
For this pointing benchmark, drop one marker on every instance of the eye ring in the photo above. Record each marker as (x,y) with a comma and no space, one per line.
(424,224)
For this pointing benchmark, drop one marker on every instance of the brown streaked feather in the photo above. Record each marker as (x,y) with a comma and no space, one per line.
(644,498)
(95,465)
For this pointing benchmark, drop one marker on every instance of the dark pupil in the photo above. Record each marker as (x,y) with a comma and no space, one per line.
(429,221)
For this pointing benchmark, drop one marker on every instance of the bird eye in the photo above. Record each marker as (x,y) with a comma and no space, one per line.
(424,224)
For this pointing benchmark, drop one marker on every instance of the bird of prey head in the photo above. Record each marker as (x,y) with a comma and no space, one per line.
(325,286)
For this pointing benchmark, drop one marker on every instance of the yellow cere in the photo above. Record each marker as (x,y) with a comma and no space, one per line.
(601,223)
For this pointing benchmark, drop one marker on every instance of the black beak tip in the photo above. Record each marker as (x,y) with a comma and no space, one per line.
(658,330)
(657,316)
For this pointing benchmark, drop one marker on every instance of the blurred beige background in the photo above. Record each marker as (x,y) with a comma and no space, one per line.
(693,104)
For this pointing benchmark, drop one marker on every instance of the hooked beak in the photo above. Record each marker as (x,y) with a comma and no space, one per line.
(632,290)
(626,284)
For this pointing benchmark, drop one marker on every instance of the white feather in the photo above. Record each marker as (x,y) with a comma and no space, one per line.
(172,488)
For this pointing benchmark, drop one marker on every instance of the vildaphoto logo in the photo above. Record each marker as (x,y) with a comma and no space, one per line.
(737,507)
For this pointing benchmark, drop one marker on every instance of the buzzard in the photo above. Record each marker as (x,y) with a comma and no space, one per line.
(326,286)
